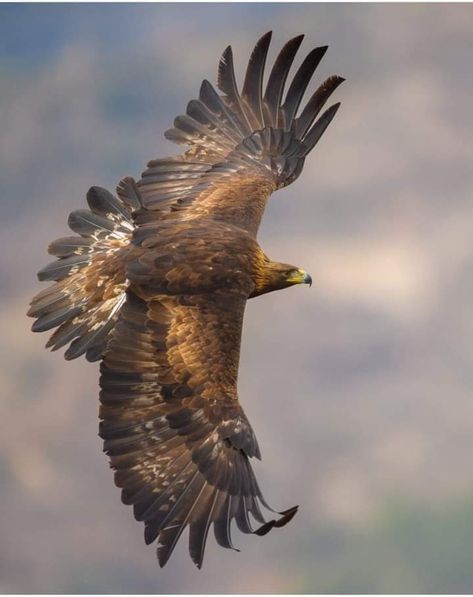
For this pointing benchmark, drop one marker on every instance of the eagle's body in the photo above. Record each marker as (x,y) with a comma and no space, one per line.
(156,285)
(203,256)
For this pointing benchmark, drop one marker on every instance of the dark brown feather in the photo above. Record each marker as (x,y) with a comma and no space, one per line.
(299,84)
(277,80)
(253,85)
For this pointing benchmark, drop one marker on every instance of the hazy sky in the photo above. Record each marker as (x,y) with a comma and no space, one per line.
(359,389)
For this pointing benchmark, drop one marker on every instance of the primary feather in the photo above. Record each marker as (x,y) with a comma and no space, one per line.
(156,283)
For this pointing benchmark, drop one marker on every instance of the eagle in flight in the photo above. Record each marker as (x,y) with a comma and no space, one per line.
(155,283)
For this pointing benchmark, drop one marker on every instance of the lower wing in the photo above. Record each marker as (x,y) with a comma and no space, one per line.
(172,425)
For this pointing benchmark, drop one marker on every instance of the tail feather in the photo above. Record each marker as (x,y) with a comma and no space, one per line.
(89,274)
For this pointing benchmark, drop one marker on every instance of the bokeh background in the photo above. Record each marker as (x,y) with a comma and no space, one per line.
(360,389)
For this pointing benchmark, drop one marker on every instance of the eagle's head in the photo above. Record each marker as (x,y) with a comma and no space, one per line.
(276,276)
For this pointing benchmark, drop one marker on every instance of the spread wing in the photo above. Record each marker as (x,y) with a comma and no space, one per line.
(242,146)
(173,427)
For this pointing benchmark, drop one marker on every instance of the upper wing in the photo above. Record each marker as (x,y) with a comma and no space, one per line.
(242,146)
(172,424)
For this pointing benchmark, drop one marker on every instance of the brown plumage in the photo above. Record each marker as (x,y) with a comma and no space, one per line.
(156,285)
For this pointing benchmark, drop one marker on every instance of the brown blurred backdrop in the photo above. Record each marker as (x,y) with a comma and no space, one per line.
(360,389)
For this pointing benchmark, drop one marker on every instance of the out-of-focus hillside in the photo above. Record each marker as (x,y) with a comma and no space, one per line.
(359,389)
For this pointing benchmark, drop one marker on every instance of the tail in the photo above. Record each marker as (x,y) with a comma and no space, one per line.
(89,274)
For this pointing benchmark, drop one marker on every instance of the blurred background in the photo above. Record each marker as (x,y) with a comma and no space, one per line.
(360,389)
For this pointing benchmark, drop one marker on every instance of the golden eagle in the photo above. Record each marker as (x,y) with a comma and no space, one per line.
(155,285)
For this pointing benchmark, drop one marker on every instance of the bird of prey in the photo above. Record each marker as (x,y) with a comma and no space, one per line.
(155,283)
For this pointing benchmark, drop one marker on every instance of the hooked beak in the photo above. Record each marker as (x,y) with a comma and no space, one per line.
(300,277)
